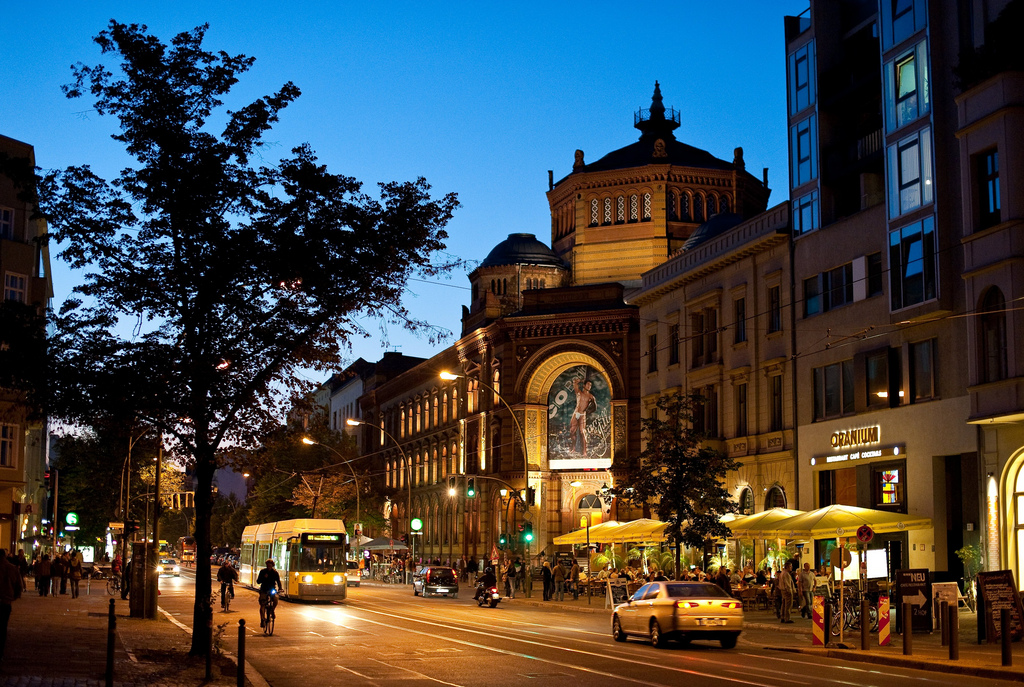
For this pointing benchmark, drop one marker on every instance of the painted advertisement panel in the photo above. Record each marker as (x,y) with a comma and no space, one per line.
(580,420)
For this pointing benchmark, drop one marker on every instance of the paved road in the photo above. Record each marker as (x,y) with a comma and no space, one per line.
(385,635)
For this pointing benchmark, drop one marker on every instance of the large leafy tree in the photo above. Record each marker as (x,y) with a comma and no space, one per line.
(680,478)
(212,281)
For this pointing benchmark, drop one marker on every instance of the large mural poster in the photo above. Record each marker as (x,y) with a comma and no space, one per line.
(580,420)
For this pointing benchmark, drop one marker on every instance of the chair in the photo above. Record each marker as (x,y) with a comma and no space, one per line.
(763,600)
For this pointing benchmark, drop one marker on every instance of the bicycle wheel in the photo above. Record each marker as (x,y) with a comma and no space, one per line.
(113,585)
(268,627)
(225,601)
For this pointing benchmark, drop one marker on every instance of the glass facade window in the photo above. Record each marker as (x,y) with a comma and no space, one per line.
(801,78)
(988,189)
(901,19)
(874,266)
(833,390)
(802,150)
(805,213)
(909,169)
(907,87)
(912,278)
(740,314)
(922,370)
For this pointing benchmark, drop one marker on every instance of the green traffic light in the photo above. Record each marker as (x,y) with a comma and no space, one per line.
(471,488)
(529,536)
(416,524)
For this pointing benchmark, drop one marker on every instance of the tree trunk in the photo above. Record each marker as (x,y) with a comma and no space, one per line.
(201,631)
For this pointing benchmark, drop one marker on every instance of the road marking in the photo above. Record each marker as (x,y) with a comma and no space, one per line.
(414,672)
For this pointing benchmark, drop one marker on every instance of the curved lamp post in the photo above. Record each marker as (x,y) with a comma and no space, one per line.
(309,442)
(408,466)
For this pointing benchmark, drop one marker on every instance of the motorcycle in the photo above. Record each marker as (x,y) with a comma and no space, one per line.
(487,596)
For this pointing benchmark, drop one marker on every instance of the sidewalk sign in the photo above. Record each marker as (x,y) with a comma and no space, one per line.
(617,594)
(818,622)
(884,636)
(997,590)
(914,587)
(943,591)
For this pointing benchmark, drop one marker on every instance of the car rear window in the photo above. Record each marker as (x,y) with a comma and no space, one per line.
(701,591)
(440,576)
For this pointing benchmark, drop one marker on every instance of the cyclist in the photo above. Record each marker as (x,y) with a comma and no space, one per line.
(227,576)
(267,580)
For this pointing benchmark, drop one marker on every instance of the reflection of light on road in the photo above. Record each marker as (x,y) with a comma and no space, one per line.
(334,615)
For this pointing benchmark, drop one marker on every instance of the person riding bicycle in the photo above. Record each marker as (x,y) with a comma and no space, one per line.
(227,576)
(485,582)
(267,580)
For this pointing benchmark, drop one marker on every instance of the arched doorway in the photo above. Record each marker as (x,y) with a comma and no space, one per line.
(775,498)
(746,501)
(589,510)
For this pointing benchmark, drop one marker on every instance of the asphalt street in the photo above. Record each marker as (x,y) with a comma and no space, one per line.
(384,635)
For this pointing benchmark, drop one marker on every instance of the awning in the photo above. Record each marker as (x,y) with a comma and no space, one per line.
(757,525)
(842,521)
(384,544)
(580,536)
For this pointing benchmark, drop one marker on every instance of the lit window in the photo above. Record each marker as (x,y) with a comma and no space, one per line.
(910,173)
(595,212)
(912,264)
(607,210)
(634,208)
(647,206)
(907,87)
(988,189)
(889,487)
(15,287)
(7,435)
(620,209)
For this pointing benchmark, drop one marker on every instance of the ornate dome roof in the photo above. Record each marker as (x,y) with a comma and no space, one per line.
(717,224)
(521,249)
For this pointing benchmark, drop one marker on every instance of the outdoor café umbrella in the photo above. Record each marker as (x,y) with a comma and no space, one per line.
(384,544)
(755,526)
(643,530)
(837,521)
(580,536)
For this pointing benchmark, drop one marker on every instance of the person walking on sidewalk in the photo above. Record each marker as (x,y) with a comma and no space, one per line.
(42,573)
(558,579)
(805,586)
(574,580)
(10,589)
(787,588)
(75,572)
(546,572)
(23,568)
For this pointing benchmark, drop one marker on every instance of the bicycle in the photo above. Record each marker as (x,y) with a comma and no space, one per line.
(113,584)
(849,614)
(268,611)
(226,594)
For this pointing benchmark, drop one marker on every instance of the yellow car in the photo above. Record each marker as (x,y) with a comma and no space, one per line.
(683,611)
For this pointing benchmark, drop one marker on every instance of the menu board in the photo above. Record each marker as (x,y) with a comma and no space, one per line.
(997,590)
(915,588)
(617,593)
(943,591)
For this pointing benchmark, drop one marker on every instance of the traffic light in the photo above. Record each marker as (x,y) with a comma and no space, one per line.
(451,487)
(470,488)
(502,541)
(531,496)
(528,532)
(131,526)
(416,524)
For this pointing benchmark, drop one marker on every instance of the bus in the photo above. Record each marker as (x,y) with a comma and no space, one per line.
(309,554)
(187,550)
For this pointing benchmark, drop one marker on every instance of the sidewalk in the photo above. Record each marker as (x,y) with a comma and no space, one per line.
(62,642)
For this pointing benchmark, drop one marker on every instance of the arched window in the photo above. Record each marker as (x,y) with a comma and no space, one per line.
(418,425)
(747,501)
(684,210)
(504,286)
(712,205)
(387,473)
(494,289)
(401,432)
(992,324)
(444,461)
(444,408)
(775,498)
(496,383)
(470,396)
(607,211)
(435,410)
(455,404)
(647,206)
(723,204)
(620,209)
(672,214)
(595,212)
(698,209)
(634,208)
(434,467)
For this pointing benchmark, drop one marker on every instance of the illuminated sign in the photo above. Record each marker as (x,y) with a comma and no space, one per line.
(71,518)
(865,454)
(855,437)
(323,538)
(580,420)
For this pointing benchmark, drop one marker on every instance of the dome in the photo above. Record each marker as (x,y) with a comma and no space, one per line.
(521,249)
(718,224)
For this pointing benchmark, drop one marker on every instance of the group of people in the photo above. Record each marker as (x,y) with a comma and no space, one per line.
(57,575)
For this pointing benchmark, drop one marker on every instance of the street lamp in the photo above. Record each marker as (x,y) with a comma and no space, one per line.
(310,442)
(451,376)
(408,466)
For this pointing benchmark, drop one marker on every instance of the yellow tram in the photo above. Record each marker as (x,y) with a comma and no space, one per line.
(309,554)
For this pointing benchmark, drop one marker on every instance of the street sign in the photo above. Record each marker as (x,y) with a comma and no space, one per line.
(865,534)
(416,524)
(71,518)
(840,558)
(115,525)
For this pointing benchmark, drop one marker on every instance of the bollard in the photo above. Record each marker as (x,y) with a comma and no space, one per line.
(865,624)
(1006,636)
(943,622)
(111,638)
(241,653)
(209,646)
(954,632)
(908,630)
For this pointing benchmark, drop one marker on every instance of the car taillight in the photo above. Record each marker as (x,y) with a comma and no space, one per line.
(455,574)
(733,604)
(687,604)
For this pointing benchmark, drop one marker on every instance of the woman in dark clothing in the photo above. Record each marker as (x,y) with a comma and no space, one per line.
(43,572)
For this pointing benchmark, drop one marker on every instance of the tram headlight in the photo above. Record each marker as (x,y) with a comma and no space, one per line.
(337,579)
(307,579)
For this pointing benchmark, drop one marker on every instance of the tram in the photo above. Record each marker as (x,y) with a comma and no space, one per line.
(309,554)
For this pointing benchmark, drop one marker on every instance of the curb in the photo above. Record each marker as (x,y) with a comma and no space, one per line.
(905,662)
(776,627)
(251,674)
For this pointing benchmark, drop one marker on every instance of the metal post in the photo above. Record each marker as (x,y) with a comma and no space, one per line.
(954,632)
(241,653)
(1005,636)
(944,622)
(865,624)
(590,579)
(908,629)
(111,637)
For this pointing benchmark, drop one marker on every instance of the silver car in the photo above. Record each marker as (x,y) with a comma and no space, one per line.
(683,611)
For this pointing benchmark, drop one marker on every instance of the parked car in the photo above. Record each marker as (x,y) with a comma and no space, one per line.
(435,580)
(352,573)
(682,611)
(168,566)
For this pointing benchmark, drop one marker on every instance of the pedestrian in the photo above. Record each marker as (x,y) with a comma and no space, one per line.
(23,568)
(75,572)
(527,579)
(574,580)
(508,577)
(805,587)
(65,572)
(10,590)
(546,573)
(558,579)
(42,572)
(786,587)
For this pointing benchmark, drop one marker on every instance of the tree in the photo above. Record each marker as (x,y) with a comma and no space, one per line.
(679,478)
(232,277)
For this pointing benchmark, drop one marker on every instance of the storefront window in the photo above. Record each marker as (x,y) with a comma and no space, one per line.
(888,482)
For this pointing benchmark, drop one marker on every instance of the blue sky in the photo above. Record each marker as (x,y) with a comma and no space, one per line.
(479,98)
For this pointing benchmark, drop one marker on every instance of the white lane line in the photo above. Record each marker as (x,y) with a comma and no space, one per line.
(716,675)
(414,672)
(810,660)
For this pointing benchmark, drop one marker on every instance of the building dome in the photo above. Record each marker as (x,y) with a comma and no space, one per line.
(717,224)
(521,249)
